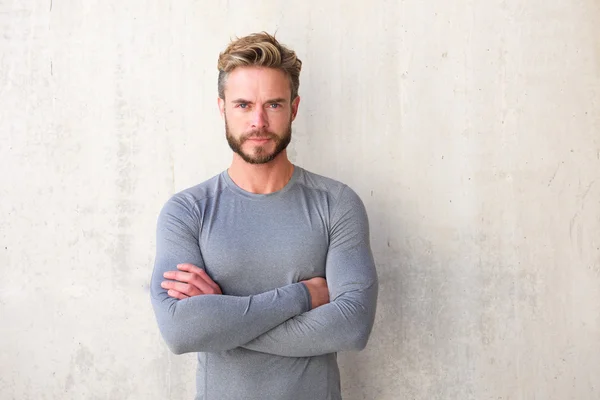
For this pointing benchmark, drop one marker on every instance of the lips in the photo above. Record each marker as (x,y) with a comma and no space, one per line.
(259,139)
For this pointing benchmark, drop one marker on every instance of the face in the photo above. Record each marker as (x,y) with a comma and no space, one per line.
(258,113)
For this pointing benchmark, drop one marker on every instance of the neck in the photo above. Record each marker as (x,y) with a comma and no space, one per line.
(261,178)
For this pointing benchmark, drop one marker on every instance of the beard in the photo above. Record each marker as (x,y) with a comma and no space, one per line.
(259,154)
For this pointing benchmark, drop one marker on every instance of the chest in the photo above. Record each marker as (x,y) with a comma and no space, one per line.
(251,247)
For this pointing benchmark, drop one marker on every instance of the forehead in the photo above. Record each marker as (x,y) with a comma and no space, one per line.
(257,82)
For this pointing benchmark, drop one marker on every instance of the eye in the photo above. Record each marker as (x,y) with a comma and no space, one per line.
(242,105)
(275,105)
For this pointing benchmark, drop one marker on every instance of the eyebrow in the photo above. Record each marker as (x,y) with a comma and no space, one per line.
(276,100)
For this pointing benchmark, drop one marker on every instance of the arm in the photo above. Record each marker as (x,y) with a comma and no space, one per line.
(210,322)
(346,322)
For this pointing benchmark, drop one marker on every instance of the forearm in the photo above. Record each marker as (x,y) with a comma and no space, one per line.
(210,323)
(344,324)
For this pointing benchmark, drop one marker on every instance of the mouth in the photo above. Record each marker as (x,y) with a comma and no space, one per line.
(258,139)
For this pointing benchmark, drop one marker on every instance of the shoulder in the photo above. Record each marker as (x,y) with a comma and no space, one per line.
(348,223)
(339,192)
(189,198)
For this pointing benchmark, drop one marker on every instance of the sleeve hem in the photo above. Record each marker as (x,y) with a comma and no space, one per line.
(308,304)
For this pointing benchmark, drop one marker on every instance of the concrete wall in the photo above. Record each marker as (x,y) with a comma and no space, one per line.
(470,129)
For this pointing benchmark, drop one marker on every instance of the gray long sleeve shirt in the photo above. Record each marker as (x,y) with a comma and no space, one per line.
(260,339)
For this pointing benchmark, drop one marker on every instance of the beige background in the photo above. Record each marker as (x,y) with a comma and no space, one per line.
(470,129)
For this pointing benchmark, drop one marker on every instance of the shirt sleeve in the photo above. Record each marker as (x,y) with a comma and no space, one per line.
(210,323)
(346,322)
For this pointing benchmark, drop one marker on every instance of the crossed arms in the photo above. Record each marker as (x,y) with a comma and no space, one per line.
(296,320)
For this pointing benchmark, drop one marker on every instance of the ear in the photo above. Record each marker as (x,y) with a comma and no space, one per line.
(221,104)
(295,105)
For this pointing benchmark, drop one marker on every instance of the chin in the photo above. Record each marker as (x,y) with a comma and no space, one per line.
(258,159)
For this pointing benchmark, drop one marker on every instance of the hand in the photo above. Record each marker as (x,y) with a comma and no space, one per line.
(189,281)
(319,292)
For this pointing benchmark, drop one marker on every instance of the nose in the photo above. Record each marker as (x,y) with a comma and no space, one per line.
(259,119)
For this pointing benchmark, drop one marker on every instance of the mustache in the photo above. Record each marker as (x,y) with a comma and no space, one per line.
(259,134)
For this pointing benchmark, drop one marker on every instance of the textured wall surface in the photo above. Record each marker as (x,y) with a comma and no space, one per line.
(470,129)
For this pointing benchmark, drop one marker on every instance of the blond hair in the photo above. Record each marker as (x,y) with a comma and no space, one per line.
(259,50)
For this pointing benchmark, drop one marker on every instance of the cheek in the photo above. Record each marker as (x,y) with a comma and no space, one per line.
(280,120)
(236,120)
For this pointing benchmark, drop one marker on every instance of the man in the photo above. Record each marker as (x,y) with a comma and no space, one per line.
(242,258)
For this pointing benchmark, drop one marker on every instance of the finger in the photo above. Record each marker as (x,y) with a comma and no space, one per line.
(201,273)
(176,294)
(179,276)
(193,269)
(185,288)
(169,274)
(193,279)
